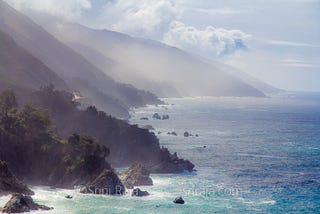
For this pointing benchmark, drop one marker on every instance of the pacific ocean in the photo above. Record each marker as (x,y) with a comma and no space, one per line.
(252,155)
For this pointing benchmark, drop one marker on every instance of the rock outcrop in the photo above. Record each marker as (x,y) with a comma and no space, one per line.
(107,183)
(178,200)
(149,127)
(136,175)
(156,116)
(172,133)
(9,183)
(139,193)
(165,117)
(171,163)
(20,203)
(186,134)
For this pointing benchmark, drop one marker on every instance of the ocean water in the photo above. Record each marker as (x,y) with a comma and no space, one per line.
(253,155)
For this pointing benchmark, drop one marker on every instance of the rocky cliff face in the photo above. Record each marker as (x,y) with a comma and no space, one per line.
(136,175)
(127,143)
(107,183)
(9,183)
(20,203)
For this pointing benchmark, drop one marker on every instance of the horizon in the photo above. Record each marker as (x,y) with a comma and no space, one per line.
(283,52)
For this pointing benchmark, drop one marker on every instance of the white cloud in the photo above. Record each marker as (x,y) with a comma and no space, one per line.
(289,43)
(211,41)
(297,63)
(63,8)
(217,11)
(147,18)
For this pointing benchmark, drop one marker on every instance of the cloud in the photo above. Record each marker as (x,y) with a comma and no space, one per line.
(147,18)
(62,8)
(214,42)
(289,43)
(217,11)
(297,63)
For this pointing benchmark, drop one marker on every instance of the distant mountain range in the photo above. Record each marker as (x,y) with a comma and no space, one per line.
(164,70)
(21,71)
(105,66)
(77,72)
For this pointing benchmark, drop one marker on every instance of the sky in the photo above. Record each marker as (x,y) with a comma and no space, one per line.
(277,41)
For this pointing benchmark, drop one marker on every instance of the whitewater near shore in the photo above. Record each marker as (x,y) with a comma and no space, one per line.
(251,154)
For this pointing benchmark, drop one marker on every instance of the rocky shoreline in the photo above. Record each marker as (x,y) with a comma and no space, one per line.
(37,155)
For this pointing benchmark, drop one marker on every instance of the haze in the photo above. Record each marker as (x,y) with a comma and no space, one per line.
(282,51)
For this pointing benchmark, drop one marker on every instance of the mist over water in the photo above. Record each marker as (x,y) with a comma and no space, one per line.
(262,155)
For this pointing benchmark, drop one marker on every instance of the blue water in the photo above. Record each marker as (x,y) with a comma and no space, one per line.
(262,155)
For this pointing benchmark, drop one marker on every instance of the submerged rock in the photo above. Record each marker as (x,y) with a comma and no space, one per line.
(178,200)
(186,134)
(139,193)
(9,183)
(107,183)
(172,133)
(144,118)
(156,116)
(136,175)
(20,203)
(68,197)
(149,127)
(165,117)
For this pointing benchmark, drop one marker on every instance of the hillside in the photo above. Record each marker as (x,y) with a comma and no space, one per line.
(19,70)
(145,61)
(80,75)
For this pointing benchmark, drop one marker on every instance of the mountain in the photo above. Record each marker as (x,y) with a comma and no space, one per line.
(145,61)
(80,75)
(20,70)
(258,84)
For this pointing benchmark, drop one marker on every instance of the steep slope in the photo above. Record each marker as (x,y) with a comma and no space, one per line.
(258,84)
(123,73)
(78,72)
(19,70)
(154,61)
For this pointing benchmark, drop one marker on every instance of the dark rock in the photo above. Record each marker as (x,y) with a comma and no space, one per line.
(107,183)
(144,118)
(20,203)
(173,133)
(156,116)
(149,127)
(9,183)
(68,197)
(171,163)
(136,175)
(178,200)
(204,146)
(159,132)
(139,193)
(186,134)
(197,135)
(165,117)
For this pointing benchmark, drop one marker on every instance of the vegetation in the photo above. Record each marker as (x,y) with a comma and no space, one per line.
(35,152)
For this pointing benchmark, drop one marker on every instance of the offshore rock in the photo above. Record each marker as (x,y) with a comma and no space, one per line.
(20,203)
(136,175)
(9,183)
(107,183)
(139,193)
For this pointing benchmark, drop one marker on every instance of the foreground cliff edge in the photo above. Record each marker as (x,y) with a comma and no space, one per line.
(37,154)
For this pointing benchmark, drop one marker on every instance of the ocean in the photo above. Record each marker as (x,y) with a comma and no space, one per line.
(252,155)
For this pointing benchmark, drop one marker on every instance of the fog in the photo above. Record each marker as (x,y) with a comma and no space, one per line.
(146,64)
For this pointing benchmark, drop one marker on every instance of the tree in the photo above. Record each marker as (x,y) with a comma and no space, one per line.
(8,102)
(36,122)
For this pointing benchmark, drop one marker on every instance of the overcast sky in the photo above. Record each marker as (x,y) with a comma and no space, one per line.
(277,41)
